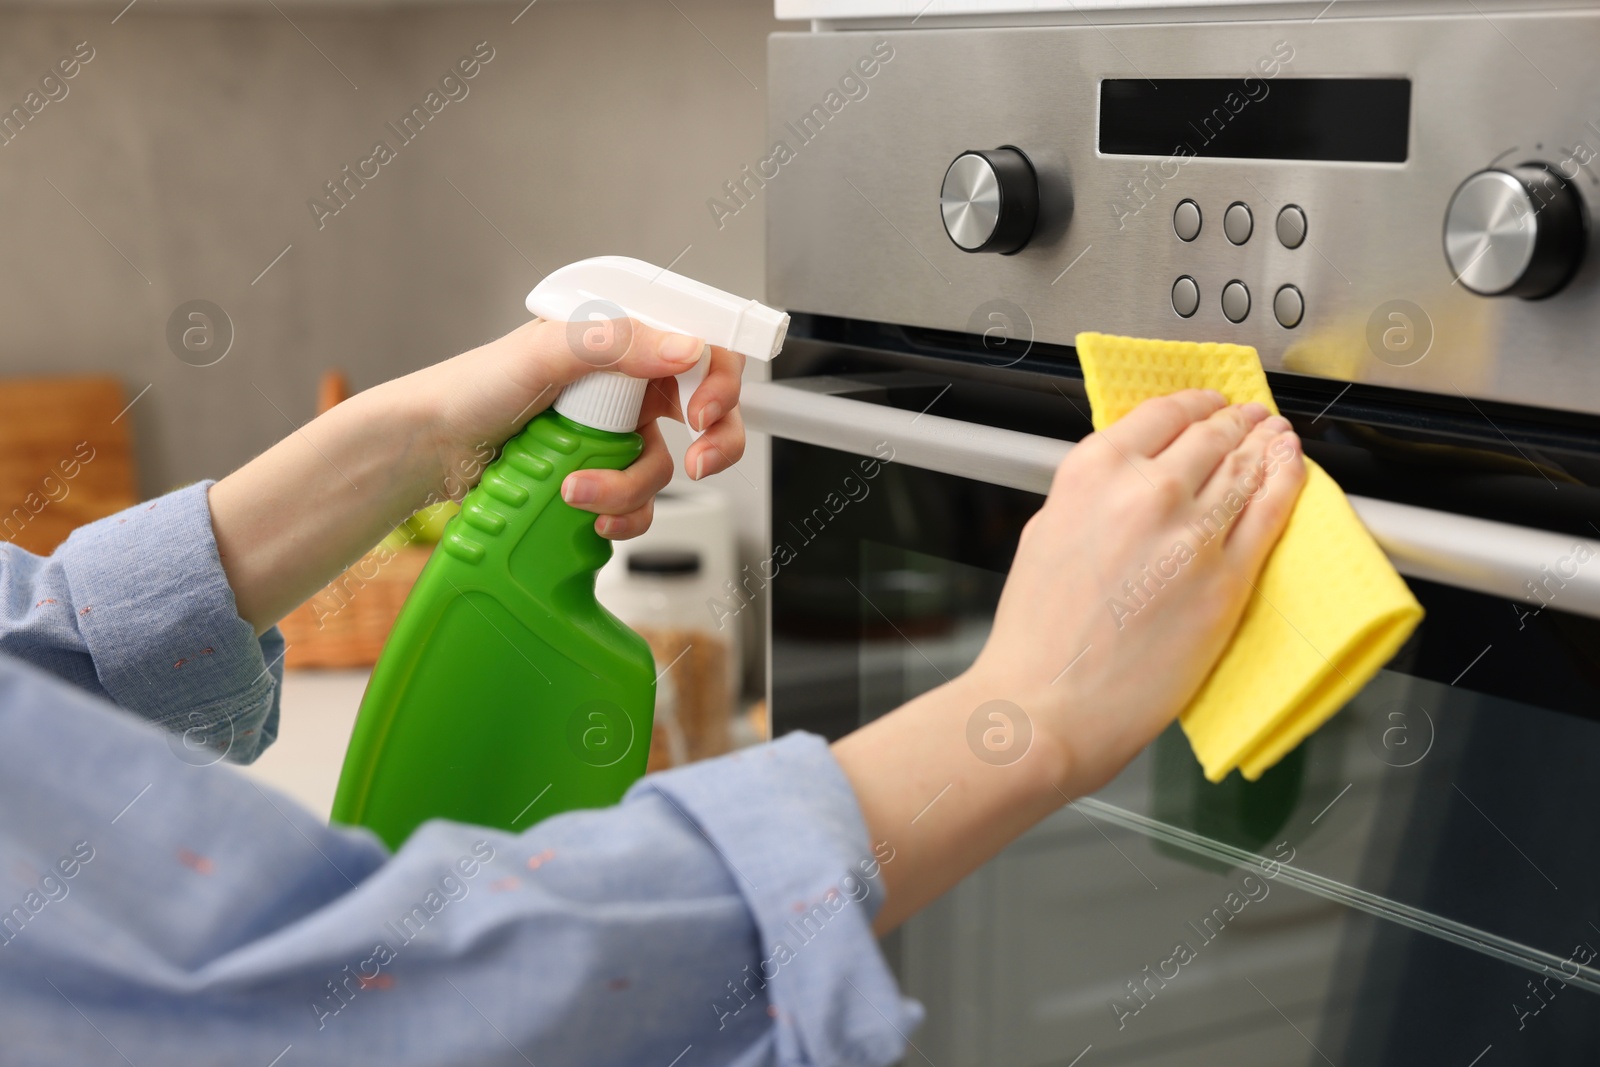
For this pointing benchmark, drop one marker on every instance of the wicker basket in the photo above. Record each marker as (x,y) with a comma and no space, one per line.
(347,622)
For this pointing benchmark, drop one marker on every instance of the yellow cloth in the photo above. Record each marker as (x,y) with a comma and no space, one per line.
(1329,611)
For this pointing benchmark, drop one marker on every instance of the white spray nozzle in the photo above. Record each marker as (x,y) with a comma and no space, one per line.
(607,288)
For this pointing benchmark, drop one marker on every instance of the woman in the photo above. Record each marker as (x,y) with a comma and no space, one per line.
(154,911)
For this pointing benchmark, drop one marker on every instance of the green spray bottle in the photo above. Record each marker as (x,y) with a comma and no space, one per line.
(506,693)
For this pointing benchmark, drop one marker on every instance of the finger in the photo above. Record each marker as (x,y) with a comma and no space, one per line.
(622,527)
(569,350)
(1198,450)
(718,448)
(610,492)
(1154,424)
(1242,474)
(1257,530)
(718,392)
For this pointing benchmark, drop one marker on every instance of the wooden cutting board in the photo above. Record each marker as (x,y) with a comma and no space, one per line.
(66,457)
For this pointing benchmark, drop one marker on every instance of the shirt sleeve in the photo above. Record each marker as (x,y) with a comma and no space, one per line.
(136,608)
(721,914)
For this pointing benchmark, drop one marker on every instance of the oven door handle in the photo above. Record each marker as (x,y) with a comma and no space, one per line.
(1495,558)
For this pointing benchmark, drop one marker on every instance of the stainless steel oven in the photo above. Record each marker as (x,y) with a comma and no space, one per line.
(1394,211)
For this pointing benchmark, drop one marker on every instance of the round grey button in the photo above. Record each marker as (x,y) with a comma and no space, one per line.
(970,201)
(990,200)
(1186,220)
(1237,223)
(1292,226)
(1185,296)
(1289,306)
(1235,301)
(1491,231)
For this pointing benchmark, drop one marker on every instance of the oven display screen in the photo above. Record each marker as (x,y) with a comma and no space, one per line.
(1355,120)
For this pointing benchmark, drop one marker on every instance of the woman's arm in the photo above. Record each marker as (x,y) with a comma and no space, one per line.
(1072,683)
(289,520)
(186,910)
(725,906)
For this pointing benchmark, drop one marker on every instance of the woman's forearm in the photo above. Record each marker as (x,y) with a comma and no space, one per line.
(292,518)
(946,810)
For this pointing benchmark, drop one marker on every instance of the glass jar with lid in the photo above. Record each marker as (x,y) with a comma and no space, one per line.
(661,599)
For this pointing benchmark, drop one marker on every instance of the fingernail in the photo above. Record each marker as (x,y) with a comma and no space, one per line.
(1254,412)
(710,414)
(1214,395)
(576,490)
(699,466)
(680,349)
(1278,424)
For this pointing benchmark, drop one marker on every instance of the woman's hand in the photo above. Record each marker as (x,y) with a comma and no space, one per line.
(292,518)
(1129,582)
(1125,589)
(480,398)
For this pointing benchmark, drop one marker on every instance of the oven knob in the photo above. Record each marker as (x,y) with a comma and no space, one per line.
(990,201)
(1519,231)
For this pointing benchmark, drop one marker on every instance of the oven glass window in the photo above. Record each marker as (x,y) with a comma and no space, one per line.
(1439,839)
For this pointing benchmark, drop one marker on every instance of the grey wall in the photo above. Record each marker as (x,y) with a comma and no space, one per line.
(194,138)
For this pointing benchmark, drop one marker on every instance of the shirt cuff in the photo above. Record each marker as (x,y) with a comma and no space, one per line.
(784,819)
(157,614)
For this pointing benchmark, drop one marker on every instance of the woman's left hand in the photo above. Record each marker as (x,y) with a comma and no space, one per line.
(482,397)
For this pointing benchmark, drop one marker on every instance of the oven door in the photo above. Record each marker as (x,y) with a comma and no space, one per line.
(1438,899)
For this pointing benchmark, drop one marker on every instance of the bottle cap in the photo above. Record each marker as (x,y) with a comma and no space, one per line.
(609,288)
(604,400)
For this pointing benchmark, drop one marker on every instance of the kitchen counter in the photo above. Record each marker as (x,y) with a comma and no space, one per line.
(318,713)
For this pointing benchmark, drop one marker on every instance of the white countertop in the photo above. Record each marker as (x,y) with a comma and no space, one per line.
(317,714)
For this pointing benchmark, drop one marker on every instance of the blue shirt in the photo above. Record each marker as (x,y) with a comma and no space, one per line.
(157,907)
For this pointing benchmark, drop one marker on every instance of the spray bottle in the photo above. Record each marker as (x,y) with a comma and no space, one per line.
(505,692)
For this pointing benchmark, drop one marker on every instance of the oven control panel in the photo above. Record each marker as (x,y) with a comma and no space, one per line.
(1396,201)
(1287,304)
